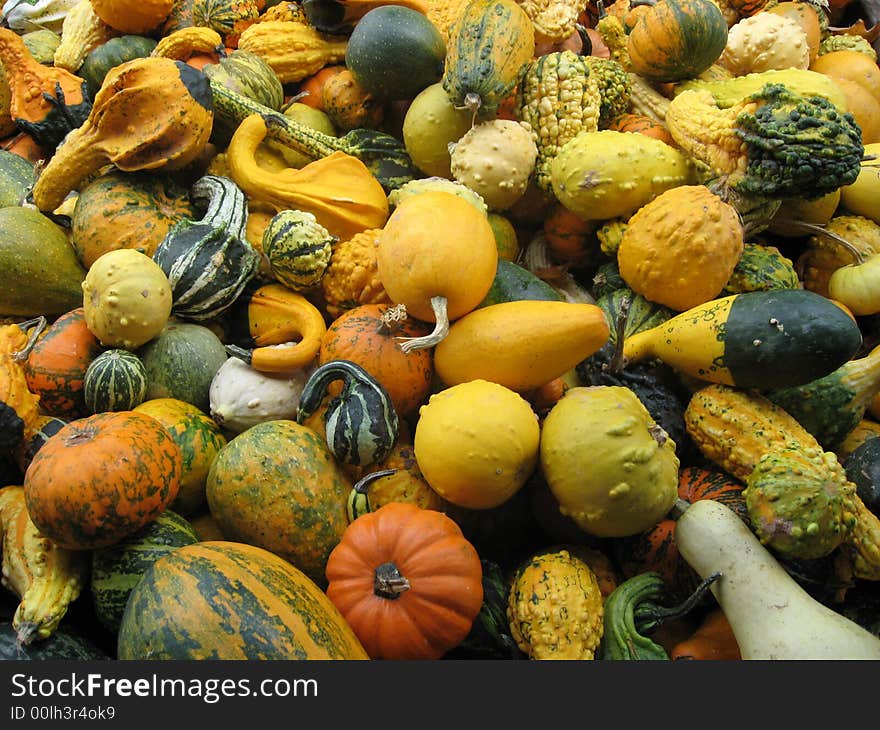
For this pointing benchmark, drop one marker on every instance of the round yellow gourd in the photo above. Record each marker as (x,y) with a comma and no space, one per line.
(431,123)
(863,196)
(126,298)
(613,470)
(476,443)
(680,249)
(796,210)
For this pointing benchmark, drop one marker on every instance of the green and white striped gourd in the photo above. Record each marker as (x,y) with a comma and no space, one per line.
(209,262)
(115,380)
(298,248)
(23,16)
(361,424)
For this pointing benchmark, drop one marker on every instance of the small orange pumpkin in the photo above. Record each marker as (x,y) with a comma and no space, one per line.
(407,582)
(311,88)
(102,478)
(366,335)
(349,105)
(642,124)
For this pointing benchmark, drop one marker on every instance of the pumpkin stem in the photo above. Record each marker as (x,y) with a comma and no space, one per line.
(472,102)
(441,328)
(831,235)
(678,509)
(388,582)
(239,352)
(391,319)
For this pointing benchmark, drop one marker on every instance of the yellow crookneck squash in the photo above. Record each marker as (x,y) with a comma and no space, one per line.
(338,190)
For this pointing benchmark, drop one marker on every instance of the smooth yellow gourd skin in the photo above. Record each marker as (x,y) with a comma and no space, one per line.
(857,286)
(612,469)
(476,443)
(126,298)
(863,196)
(522,344)
(689,342)
(772,617)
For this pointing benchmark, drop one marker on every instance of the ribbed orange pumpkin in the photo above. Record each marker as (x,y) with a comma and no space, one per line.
(102,478)
(407,581)
(366,336)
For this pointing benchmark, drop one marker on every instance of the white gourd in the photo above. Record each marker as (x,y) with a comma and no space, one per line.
(772,617)
(27,15)
(765,42)
(241,397)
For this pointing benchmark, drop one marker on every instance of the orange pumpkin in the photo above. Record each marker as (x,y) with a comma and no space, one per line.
(407,582)
(569,236)
(102,478)
(349,105)
(311,88)
(56,366)
(366,335)
(642,124)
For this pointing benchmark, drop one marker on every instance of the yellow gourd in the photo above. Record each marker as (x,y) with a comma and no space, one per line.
(522,344)
(126,298)
(613,469)
(476,443)
(437,256)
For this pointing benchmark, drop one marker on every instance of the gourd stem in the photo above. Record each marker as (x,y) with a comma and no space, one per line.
(391,319)
(678,509)
(617,361)
(239,352)
(36,326)
(388,582)
(441,328)
(822,231)
(650,616)
(363,484)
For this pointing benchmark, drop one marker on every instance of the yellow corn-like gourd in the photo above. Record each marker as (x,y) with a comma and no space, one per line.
(644,99)
(559,97)
(284,11)
(45,577)
(708,133)
(292,49)
(185,42)
(82,32)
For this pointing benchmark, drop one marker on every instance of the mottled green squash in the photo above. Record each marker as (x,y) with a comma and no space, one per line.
(761,268)
(277,486)
(117,569)
(230,601)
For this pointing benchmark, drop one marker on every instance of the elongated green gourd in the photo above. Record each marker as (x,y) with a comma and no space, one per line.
(771,616)
(767,339)
(831,407)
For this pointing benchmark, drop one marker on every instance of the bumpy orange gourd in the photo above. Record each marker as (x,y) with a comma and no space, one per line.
(133,17)
(680,249)
(407,581)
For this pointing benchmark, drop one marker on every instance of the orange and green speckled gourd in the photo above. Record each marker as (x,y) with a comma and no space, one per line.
(555,607)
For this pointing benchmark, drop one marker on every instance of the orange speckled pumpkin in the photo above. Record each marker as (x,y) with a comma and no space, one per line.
(364,337)
(407,581)
(57,365)
(642,124)
(102,478)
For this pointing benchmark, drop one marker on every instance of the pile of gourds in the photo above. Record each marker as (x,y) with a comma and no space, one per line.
(455,329)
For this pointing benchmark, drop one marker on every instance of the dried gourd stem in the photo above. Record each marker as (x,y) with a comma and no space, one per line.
(617,361)
(678,509)
(472,102)
(388,582)
(649,617)
(821,231)
(36,327)
(441,328)
(391,319)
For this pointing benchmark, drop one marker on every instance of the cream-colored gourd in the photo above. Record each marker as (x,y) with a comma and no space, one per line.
(241,397)
(771,616)
(496,159)
(126,298)
(765,42)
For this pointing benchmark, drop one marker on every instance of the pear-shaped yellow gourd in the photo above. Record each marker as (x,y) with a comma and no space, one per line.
(476,443)
(126,298)
(613,470)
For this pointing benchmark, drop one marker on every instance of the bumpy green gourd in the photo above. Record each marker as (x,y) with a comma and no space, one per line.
(298,248)
(361,424)
(797,499)
(609,174)
(761,268)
